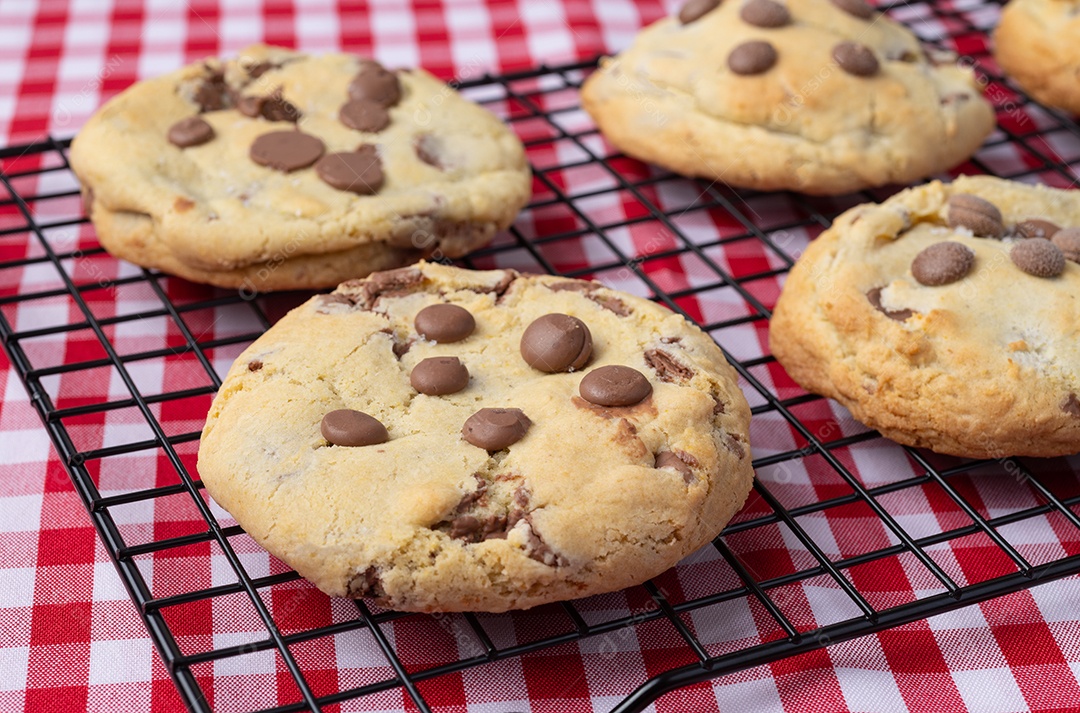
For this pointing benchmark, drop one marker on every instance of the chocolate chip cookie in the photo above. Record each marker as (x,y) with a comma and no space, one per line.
(817,96)
(1038,45)
(278,170)
(446,440)
(947,318)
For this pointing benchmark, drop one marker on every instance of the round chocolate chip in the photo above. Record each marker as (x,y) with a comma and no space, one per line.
(444,323)
(765,13)
(364,115)
(859,8)
(1068,242)
(375,83)
(494,429)
(979,216)
(1038,257)
(753,57)
(286,150)
(556,342)
(695,9)
(358,171)
(614,386)
(856,59)
(667,459)
(272,108)
(942,264)
(439,376)
(1036,228)
(189,132)
(346,427)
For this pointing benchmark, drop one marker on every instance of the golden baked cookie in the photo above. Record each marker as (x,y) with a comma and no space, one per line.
(948,318)
(814,96)
(448,440)
(1037,44)
(278,170)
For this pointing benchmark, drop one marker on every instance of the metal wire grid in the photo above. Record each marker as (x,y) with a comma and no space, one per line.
(524,99)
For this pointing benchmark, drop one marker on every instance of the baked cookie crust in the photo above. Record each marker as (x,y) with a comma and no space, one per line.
(1037,43)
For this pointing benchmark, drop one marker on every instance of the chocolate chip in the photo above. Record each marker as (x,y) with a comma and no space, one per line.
(191,131)
(856,59)
(286,151)
(859,8)
(734,445)
(874,297)
(1038,257)
(1071,405)
(1035,228)
(539,550)
(753,57)
(439,376)
(444,323)
(357,171)
(615,386)
(494,429)
(376,83)
(695,9)
(260,68)
(364,115)
(942,263)
(334,304)
(979,216)
(366,584)
(272,108)
(255,365)
(346,427)
(555,343)
(429,149)
(765,13)
(668,459)
(666,367)
(213,93)
(1068,242)
(390,283)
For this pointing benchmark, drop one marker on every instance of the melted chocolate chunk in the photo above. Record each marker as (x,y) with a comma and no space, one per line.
(614,386)
(874,297)
(666,367)
(734,445)
(190,131)
(942,263)
(1036,228)
(346,427)
(857,8)
(357,171)
(591,290)
(439,376)
(390,283)
(334,303)
(670,459)
(364,115)
(1038,257)
(556,343)
(286,151)
(1071,405)
(366,584)
(1068,242)
(765,13)
(979,216)
(213,94)
(375,83)
(429,149)
(444,323)
(856,59)
(255,365)
(753,57)
(693,10)
(494,429)
(273,107)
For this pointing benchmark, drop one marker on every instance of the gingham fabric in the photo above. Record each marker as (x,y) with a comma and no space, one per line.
(71,640)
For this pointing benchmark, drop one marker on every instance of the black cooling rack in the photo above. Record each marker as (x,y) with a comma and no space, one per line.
(537,104)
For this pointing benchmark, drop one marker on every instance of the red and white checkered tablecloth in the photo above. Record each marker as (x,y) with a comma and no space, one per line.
(70,639)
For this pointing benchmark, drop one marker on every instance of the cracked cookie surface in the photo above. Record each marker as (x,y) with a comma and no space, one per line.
(948,317)
(201,172)
(803,95)
(584,499)
(1037,43)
